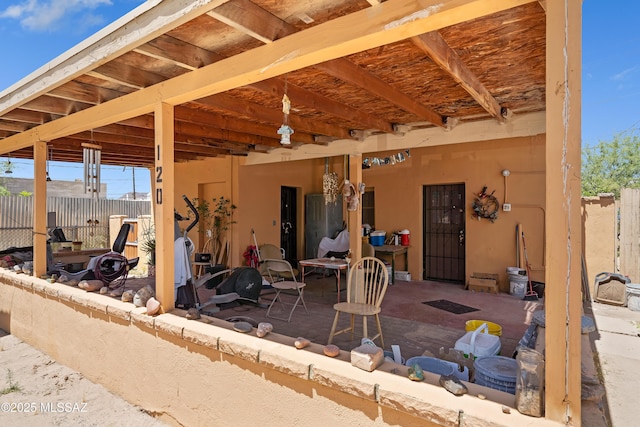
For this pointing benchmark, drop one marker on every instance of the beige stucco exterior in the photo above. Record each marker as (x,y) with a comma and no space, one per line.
(544,191)
(490,246)
(194,373)
(600,240)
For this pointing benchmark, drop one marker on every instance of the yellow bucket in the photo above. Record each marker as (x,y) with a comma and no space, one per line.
(494,328)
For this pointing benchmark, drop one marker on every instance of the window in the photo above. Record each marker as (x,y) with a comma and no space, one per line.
(368,207)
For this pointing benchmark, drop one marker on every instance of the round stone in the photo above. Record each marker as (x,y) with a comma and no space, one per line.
(243,327)
(331,350)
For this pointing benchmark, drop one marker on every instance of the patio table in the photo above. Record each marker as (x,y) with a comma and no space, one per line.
(336,265)
(393,250)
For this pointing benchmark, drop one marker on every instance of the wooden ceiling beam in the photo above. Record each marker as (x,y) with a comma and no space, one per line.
(356,32)
(204,125)
(231,146)
(347,71)
(270,115)
(179,52)
(151,20)
(192,124)
(184,131)
(276,87)
(446,58)
(14,126)
(197,130)
(102,137)
(90,94)
(126,75)
(145,122)
(342,69)
(251,19)
(176,51)
(28,116)
(124,147)
(186,113)
(52,105)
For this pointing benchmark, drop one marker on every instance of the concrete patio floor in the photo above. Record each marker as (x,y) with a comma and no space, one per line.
(407,322)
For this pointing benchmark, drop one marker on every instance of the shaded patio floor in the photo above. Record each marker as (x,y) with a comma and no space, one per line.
(406,320)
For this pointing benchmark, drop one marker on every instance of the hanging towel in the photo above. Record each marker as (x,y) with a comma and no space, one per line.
(182,268)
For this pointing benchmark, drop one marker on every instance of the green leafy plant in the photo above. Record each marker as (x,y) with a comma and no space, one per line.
(612,165)
(216,217)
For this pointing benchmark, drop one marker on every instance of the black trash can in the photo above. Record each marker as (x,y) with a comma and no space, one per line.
(538,288)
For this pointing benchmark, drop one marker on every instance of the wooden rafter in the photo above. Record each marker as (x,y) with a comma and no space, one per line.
(192,57)
(251,19)
(130,87)
(258,112)
(193,115)
(276,87)
(439,51)
(53,105)
(342,69)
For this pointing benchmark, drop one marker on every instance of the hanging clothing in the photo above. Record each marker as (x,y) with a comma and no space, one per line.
(182,269)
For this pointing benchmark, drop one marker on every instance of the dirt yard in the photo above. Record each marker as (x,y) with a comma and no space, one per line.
(36,390)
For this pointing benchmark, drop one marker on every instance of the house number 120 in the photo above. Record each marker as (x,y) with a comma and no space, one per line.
(158,178)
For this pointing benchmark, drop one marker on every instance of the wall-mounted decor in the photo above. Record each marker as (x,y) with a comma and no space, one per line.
(485,205)
(389,160)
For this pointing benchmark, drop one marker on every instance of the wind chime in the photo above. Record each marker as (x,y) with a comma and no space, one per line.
(329,184)
(50,156)
(285,130)
(91,156)
(8,167)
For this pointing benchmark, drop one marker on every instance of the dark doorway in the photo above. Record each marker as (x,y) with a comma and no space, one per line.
(289,223)
(444,239)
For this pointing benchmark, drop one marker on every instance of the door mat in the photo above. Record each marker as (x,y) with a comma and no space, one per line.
(450,306)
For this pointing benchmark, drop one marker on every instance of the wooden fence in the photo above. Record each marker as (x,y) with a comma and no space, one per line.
(629,235)
(83,220)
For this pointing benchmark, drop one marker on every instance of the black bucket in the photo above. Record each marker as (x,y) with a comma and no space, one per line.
(538,288)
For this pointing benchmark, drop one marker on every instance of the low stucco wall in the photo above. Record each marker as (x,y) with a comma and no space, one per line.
(600,240)
(204,373)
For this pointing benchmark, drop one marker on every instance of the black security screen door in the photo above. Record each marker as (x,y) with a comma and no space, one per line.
(444,222)
(289,223)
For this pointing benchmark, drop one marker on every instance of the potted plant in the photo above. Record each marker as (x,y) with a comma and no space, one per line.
(216,218)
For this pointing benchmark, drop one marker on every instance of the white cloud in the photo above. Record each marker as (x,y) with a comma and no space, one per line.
(622,75)
(39,15)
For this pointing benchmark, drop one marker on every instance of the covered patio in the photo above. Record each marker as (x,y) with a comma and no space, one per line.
(195,92)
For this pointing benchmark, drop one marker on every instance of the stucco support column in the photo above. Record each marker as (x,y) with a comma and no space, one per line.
(164,204)
(39,208)
(563,301)
(355,217)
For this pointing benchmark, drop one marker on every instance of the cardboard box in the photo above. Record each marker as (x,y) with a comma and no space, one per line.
(405,276)
(483,282)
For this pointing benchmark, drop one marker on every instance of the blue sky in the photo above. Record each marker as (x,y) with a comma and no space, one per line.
(33,32)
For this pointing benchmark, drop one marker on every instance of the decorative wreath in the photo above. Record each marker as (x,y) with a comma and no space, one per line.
(485,205)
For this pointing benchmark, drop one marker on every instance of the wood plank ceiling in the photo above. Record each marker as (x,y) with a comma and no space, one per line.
(487,68)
